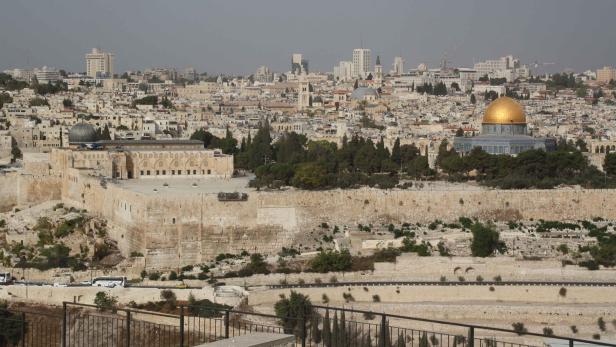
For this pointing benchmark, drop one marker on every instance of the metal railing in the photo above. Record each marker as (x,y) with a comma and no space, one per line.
(192,325)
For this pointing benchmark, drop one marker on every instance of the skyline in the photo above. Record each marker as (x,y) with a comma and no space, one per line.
(236,37)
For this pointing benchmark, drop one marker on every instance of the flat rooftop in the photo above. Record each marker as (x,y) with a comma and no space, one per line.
(186,186)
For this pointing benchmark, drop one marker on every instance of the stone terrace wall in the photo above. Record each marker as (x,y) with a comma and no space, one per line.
(179,230)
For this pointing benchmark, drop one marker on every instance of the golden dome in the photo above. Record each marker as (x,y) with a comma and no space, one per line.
(504,110)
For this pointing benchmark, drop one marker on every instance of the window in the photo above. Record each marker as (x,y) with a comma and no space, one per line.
(179,172)
(209,172)
(194,172)
(148,173)
(164,172)
(141,173)
(157,172)
(173,172)
(173,220)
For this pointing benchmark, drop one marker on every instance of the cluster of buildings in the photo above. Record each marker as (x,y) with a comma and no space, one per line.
(357,98)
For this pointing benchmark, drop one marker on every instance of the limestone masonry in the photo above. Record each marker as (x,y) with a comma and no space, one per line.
(174,226)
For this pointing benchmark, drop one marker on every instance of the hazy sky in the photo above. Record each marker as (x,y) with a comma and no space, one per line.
(237,36)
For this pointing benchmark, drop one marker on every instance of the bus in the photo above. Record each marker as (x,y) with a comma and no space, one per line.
(109,282)
(5,278)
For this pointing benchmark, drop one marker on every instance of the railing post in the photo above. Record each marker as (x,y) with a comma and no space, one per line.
(570,343)
(226,324)
(181,325)
(23,329)
(64,325)
(471,337)
(127,328)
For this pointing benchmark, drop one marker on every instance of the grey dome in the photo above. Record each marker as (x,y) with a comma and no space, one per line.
(82,133)
(363,92)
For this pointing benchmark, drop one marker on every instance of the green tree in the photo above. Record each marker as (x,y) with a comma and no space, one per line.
(10,326)
(105,302)
(67,103)
(609,164)
(15,151)
(327,333)
(293,311)
(310,176)
(485,240)
(328,261)
(396,152)
(5,98)
(36,101)
(473,99)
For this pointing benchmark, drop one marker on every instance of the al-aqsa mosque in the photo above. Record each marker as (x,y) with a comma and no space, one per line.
(503,131)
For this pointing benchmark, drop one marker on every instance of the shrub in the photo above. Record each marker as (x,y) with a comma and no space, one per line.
(492,289)
(498,278)
(333,279)
(596,336)
(168,296)
(104,302)
(461,278)
(519,328)
(376,298)
(547,331)
(369,316)
(173,276)
(601,324)
(574,329)
(479,278)
(154,276)
(331,261)
(562,292)
(136,254)
(325,298)
(386,255)
(348,297)
(443,279)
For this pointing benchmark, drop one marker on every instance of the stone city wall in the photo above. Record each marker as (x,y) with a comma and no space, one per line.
(174,230)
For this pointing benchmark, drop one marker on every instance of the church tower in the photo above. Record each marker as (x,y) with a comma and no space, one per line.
(378,71)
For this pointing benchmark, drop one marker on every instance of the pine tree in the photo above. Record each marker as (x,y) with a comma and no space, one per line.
(401,342)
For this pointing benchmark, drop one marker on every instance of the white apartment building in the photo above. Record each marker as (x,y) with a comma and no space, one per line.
(21,74)
(398,66)
(506,67)
(344,71)
(99,64)
(47,75)
(361,62)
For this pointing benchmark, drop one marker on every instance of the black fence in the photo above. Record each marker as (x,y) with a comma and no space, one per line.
(85,325)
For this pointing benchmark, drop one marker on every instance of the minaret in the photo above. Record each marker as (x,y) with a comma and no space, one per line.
(378,71)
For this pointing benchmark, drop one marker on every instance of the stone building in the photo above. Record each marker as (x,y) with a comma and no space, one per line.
(132,159)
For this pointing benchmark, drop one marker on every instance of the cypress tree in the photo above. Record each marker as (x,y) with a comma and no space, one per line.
(327,333)
(335,332)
